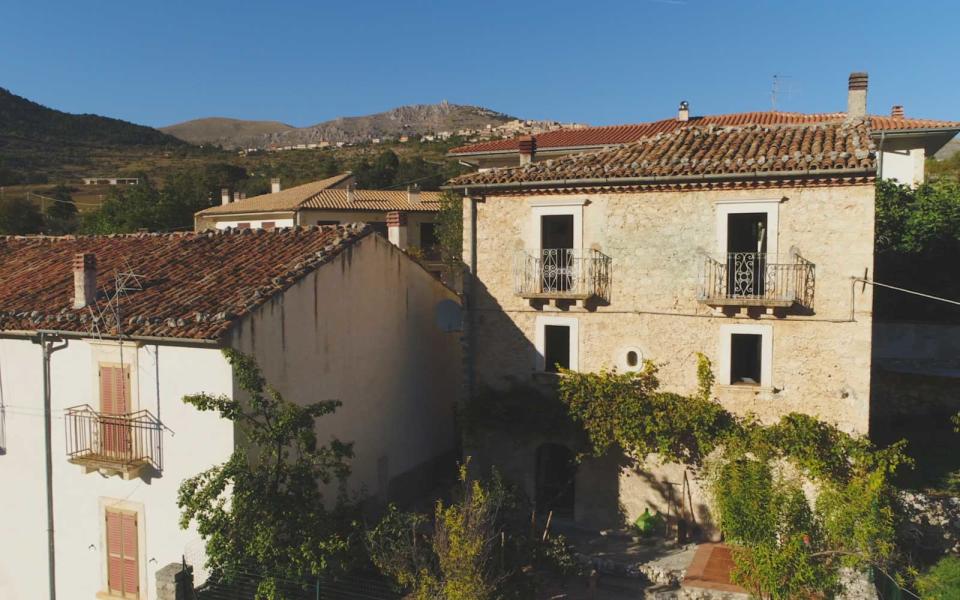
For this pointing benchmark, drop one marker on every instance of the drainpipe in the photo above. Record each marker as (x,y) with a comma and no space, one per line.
(46,342)
(470,289)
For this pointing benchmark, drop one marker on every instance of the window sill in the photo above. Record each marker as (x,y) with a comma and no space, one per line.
(102,595)
(746,388)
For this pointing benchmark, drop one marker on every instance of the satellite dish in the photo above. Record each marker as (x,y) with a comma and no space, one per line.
(448,316)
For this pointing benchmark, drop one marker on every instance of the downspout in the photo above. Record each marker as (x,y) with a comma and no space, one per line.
(470,297)
(46,342)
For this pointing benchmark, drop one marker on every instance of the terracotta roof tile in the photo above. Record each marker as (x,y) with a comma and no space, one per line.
(708,150)
(624,134)
(288,199)
(194,285)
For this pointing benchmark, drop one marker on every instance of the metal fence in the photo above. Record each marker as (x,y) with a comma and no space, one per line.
(560,273)
(122,440)
(757,276)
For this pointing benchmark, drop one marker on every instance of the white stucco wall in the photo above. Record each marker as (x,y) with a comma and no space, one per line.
(160,377)
(255,222)
(904,165)
(362,330)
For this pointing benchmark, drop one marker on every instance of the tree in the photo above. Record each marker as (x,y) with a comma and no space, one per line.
(263,511)
(449,228)
(61,217)
(19,216)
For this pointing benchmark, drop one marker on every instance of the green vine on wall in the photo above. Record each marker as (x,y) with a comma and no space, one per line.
(785,546)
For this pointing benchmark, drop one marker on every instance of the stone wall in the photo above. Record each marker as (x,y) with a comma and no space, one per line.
(821,361)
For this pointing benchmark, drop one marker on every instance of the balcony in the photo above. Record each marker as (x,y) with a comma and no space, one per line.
(565,274)
(125,445)
(756,279)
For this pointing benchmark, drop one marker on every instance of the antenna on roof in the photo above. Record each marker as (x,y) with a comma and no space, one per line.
(775,90)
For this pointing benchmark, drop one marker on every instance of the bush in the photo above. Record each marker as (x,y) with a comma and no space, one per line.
(942,582)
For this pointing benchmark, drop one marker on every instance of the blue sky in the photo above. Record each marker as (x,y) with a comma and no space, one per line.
(593,61)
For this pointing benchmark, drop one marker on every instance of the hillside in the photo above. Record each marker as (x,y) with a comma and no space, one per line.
(36,141)
(405,120)
(232,133)
(952,147)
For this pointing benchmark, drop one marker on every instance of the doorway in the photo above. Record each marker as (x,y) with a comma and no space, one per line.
(555,475)
(556,252)
(746,253)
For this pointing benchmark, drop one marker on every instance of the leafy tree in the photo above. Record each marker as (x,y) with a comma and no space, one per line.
(263,510)
(61,216)
(19,215)
(449,229)
(942,582)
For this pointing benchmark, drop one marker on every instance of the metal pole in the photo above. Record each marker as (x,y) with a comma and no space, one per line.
(47,348)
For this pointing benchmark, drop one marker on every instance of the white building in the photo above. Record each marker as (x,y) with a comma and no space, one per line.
(328,312)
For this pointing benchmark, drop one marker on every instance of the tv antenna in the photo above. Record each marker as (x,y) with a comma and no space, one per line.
(775,90)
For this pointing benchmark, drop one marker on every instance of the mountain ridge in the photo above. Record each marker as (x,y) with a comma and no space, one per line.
(411,119)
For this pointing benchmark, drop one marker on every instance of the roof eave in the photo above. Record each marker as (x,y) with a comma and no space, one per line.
(667,179)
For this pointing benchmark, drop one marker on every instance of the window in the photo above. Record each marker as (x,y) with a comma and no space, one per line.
(379,227)
(745,358)
(557,343)
(122,553)
(114,435)
(556,349)
(746,355)
(633,358)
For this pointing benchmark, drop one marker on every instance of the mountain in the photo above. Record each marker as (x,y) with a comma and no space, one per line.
(232,133)
(22,119)
(404,120)
(39,143)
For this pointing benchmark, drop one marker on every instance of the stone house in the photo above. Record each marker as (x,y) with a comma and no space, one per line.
(739,242)
(405,217)
(903,143)
(113,331)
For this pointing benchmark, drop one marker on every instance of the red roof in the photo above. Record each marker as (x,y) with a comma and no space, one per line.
(754,150)
(625,134)
(193,285)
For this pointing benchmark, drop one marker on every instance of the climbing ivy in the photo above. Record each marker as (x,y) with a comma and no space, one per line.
(784,545)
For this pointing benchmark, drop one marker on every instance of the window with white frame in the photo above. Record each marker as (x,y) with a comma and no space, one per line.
(557,340)
(746,355)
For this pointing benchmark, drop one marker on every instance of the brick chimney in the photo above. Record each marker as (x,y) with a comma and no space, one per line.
(224,195)
(857,96)
(897,111)
(275,185)
(683,113)
(84,280)
(527,147)
(397,229)
(413,194)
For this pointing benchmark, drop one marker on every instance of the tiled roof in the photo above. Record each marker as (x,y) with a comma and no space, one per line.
(379,200)
(697,151)
(624,134)
(289,199)
(194,285)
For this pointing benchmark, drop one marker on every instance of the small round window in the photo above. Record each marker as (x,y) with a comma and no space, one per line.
(629,358)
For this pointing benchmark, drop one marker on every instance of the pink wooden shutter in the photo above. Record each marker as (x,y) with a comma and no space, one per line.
(131,576)
(114,390)
(107,401)
(114,552)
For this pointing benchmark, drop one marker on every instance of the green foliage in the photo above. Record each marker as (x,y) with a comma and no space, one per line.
(784,548)
(449,224)
(942,582)
(61,216)
(705,377)
(263,508)
(522,409)
(627,411)
(19,216)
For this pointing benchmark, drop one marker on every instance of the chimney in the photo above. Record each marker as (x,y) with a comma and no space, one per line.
(275,185)
(897,111)
(397,229)
(527,147)
(239,196)
(351,192)
(683,113)
(84,280)
(413,194)
(857,96)
(224,195)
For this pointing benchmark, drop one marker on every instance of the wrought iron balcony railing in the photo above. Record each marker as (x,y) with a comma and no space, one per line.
(562,274)
(757,279)
(123,443)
